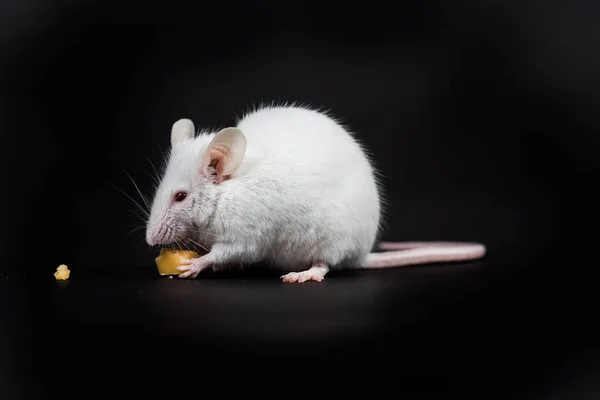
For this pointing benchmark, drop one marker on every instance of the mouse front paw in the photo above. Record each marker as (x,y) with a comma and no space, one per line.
(192,267)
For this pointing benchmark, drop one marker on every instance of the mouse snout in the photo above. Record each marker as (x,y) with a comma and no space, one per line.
(158,234)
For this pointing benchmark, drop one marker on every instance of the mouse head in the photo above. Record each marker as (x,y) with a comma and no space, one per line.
(187,194)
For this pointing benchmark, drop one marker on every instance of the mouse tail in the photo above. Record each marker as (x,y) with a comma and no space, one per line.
(401,254)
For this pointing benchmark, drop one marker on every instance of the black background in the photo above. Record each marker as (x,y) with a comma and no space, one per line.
(482,117)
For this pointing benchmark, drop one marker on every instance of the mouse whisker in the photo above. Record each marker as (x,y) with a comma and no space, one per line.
(154,181)
(137,214)
(141,209)
(157,177)
(183,245)
(198,244)
(140,193)
(201,232)
(135,229)
(176,245)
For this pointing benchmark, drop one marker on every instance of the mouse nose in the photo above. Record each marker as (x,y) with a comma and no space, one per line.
(149,239)
(151,236)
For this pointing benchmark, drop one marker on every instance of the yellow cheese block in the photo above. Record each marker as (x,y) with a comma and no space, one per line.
(169,259)
(62,273)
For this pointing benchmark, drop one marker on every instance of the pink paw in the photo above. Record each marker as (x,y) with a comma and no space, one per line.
(192,267)
(316,273)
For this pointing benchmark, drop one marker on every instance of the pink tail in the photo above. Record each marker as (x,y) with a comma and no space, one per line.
(413,253)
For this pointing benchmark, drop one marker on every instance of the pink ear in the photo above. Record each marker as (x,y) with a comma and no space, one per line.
(226,152)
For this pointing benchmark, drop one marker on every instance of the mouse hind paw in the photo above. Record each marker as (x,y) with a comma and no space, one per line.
(315,273)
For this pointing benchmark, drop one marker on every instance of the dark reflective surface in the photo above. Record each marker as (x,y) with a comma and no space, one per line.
(495,328)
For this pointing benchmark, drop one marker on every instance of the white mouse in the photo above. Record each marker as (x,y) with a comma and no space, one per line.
(288,187)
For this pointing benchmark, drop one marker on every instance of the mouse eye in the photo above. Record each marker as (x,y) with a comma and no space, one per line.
(180,196)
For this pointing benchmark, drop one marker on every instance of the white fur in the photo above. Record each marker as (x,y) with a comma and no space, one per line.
(182,130)
(304,193)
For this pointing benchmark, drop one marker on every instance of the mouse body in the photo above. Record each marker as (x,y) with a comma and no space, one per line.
(289,187)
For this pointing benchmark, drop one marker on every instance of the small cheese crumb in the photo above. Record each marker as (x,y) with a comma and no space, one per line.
(62,273)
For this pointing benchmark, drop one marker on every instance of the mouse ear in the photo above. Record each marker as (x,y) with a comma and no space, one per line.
(182,129)
(226,151)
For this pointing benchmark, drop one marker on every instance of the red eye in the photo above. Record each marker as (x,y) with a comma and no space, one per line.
(180,196)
